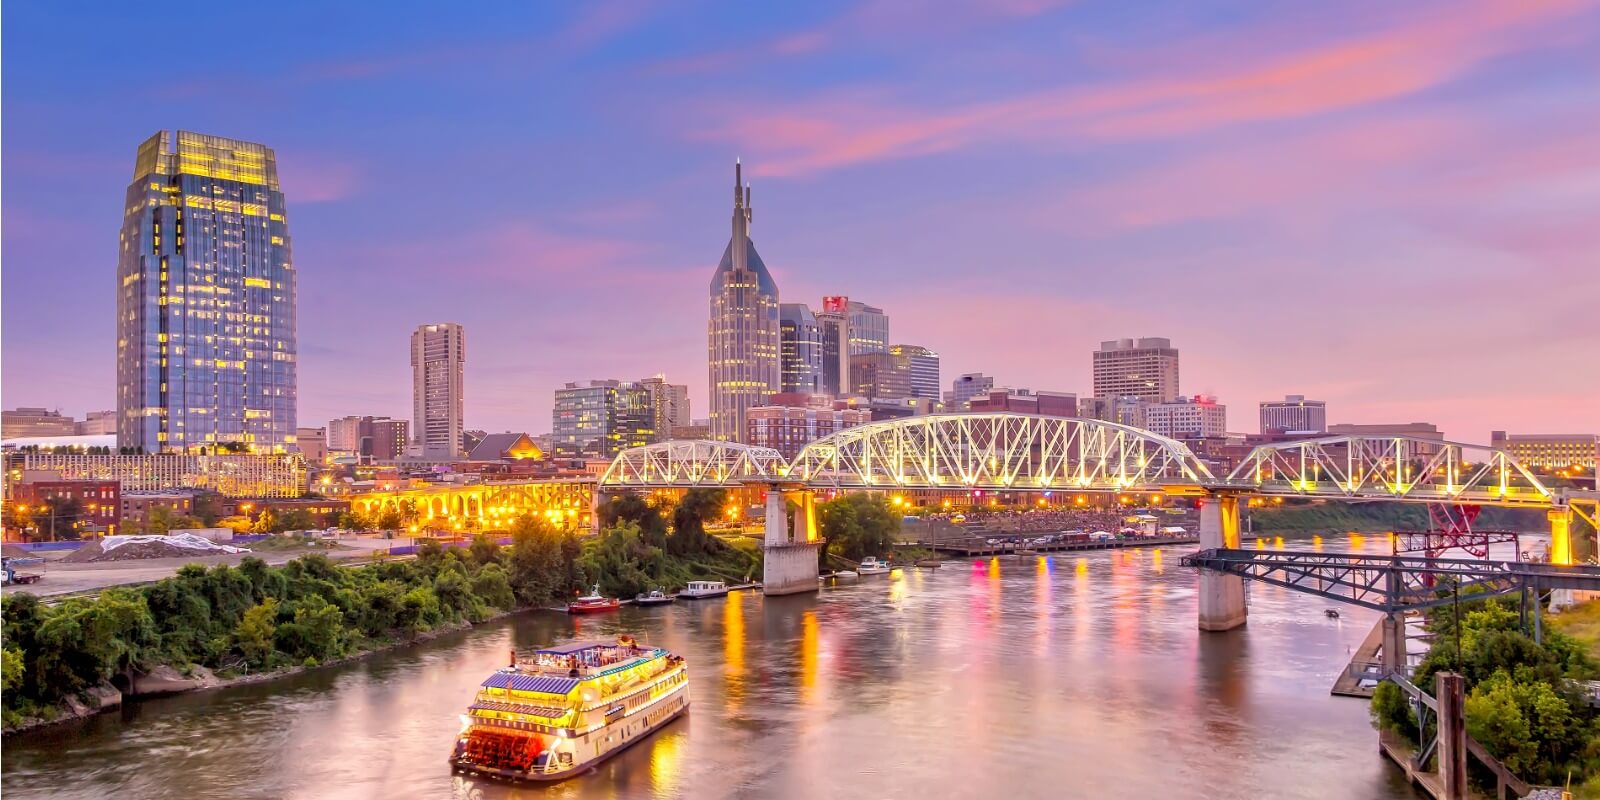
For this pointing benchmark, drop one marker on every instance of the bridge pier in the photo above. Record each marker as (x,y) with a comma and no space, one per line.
(1392,653)
(1560,534)
(1222,604)
(789,562)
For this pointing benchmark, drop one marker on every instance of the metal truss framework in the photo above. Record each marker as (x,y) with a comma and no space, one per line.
(998,451)
(1391,468)
(1389,584)
(687,464)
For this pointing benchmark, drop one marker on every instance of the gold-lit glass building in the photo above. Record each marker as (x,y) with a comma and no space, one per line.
(205,300)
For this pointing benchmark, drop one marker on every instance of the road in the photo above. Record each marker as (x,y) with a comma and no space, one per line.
(69,578)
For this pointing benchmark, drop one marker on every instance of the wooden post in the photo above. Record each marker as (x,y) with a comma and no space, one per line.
(1448,690)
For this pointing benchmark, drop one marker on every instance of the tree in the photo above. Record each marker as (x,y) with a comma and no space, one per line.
(536,568)
(484,550)
(858,525)
(57,518)
(632,508)
(257,632)
(11,668)
(208,509)
(162,520)
(295,519)
(317,630)
(1528,726)
(689,519)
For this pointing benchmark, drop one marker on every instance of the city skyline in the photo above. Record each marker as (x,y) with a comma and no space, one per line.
(859,170)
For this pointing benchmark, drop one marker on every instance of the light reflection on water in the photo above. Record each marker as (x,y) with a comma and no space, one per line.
(1076,675)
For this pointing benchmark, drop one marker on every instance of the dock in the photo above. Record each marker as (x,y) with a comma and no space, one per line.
(1365,659)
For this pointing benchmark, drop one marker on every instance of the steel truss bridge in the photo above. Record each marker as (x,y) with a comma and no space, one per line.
(1391,584)
(1004,451)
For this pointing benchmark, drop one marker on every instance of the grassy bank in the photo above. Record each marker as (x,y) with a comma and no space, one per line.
(1582,623)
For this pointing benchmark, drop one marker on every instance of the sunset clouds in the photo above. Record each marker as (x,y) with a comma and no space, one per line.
(1393,207)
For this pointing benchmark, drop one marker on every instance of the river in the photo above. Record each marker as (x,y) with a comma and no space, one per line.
(1062,677)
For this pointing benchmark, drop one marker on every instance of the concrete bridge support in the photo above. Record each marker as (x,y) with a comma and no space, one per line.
(789,559)
(1392,653)
(1221,596)
(1560,534)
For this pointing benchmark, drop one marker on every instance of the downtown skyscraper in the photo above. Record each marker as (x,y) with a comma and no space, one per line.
(206,354)
(438,378)
(743,332)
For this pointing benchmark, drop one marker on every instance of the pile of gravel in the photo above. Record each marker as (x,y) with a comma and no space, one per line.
(130,548)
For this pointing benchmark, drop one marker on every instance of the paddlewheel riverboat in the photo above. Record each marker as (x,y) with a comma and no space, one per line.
(568,708)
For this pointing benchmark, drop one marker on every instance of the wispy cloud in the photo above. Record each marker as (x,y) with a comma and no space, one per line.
(853,126)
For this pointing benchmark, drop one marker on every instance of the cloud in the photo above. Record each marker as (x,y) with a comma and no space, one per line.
(855,126)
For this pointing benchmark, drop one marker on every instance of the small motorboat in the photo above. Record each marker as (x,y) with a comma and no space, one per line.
(1332,613)
(872,566)
(655,598)
(699,590)
(593,603)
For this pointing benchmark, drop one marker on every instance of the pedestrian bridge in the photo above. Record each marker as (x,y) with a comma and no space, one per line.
(1023,452)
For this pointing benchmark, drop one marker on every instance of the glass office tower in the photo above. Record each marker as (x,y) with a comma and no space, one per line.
(205,300)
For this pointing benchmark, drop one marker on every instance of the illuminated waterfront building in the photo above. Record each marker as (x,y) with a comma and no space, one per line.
(1294,413)
(1552,450)
(205,300)
(438,374)
(1143,368)
(801,348)
(743,332)
(232,475)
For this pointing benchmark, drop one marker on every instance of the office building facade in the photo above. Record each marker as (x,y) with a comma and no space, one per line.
(922,365)
(966,387)
(1294,413)
(1549,450)
(833,332)
(801,348)
(1143,368)
(601,418)
(788,428)
(669,406)
(1198,417)
(438,402)
(743,332)
(206,351)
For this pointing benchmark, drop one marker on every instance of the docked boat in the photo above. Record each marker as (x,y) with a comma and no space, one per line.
(872,566)
(655,598)
(568,708)
(593,603)
(701,590)
(846,574)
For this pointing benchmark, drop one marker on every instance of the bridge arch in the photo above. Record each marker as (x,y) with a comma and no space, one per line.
(1407,468)
(691,463)
(997,450)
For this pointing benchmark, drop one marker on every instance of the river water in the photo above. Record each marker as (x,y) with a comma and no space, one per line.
(1062,677)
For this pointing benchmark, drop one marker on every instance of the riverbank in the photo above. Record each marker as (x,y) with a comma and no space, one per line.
(163,680)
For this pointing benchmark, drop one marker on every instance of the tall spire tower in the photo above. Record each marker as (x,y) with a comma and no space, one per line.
(743,333)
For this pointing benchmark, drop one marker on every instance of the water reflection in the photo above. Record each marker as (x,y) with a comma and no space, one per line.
(1036,677)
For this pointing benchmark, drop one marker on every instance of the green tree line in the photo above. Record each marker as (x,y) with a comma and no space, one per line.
(259,617)
(1524,703)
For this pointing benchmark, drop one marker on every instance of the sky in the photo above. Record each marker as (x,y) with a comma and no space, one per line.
(1392,207)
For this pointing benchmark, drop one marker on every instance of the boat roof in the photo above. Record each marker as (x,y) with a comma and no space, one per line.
(575,647)
(530,683)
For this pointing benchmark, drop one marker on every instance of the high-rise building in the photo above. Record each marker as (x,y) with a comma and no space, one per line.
(344,434)
(922,365)
(880,375)
(438,373)
(1294,413)
(801,349)
(1198,417)
(833,331)
(966,387)
(601,418)
(369,438)
(1550,450)
(313,444)
(23,423)
(743,333)
(1144,368)
(869,329)
(669,406)
(205,299)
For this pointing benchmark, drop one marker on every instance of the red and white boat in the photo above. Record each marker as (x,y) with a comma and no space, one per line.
(593,603)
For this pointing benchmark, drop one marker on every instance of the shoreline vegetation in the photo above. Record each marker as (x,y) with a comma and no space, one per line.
(1311,517)
(1524,701)
(208,628)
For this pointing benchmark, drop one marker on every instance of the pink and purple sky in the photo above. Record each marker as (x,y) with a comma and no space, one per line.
(1393,207)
